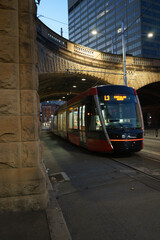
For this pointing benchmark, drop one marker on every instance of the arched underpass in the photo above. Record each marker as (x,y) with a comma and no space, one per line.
(55,86)
(149,96)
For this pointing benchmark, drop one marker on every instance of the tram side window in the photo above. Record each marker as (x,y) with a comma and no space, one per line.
(64,121)
(55,122)
(94,123)
(60,121)
(70,118)
(75,118)
(82,117)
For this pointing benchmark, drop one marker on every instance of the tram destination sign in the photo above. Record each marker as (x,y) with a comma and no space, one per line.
(115,97)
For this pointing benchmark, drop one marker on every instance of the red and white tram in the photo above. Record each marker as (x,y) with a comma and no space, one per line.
(104,119)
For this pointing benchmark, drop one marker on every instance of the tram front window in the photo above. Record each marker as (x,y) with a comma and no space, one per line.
(120,112)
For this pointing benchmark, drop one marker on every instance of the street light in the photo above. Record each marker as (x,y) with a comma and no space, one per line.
(150,35)
(94,32)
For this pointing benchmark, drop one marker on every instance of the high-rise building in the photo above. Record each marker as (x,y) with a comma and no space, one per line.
(140,17)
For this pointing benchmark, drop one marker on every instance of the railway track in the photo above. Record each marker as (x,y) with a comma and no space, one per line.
(148,173)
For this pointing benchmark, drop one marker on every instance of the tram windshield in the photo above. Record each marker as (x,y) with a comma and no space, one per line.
(120,111)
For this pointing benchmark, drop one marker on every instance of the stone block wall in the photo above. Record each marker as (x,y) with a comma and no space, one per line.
(22,177)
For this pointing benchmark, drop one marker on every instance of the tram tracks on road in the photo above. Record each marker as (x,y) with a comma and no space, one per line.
(143,174)
(155,156)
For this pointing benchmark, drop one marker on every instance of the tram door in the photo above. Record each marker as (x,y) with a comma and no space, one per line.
(82,127)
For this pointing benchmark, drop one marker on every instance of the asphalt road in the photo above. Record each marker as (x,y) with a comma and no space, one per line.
(152,148)
(105,197)
(152,145)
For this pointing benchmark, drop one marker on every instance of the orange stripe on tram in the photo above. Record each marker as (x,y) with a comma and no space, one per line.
(126,140)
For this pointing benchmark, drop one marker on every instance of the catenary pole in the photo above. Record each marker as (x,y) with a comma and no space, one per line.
(124,55)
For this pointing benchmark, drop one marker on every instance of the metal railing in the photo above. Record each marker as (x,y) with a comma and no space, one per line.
(50,35)
(47,33)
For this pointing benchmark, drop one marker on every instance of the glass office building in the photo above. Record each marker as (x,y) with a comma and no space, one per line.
(140,17)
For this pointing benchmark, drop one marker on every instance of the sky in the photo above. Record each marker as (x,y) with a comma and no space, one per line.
(54,13)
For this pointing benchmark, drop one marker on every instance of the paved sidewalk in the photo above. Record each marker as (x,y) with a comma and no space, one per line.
(47,224)
(24,226)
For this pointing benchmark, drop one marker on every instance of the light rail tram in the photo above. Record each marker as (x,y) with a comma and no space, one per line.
(105,118)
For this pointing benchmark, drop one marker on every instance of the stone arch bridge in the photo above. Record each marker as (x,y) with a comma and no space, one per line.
(62,65)
(23,184)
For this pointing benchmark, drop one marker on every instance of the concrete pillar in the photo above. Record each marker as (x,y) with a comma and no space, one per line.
(22,177)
